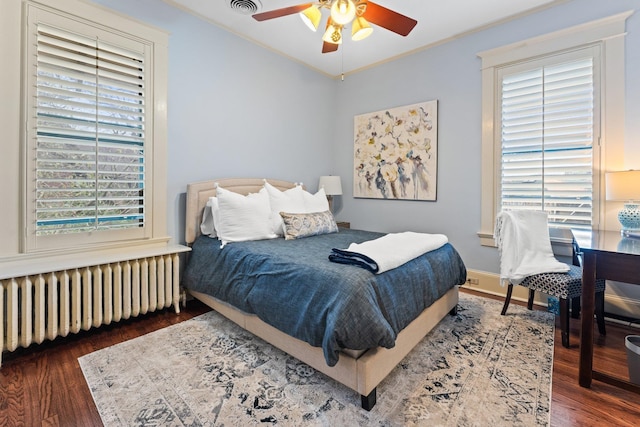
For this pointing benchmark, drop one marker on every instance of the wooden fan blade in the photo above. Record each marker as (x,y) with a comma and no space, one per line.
(277,13)
(329,47)
(387,18)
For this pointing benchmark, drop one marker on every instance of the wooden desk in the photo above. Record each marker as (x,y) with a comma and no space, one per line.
(607,255)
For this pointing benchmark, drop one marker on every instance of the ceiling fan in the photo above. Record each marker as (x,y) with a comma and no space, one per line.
(357,12)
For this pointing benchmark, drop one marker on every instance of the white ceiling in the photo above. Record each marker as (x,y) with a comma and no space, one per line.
(438,21)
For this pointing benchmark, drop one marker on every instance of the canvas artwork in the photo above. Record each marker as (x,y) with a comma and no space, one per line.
(395,153)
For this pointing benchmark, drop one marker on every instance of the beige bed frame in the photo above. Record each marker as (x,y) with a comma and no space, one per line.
(360,371)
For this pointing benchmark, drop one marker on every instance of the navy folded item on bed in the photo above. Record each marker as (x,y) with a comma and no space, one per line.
(343,256)
(292,285)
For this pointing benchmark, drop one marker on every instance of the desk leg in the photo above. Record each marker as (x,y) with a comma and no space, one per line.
(586,320)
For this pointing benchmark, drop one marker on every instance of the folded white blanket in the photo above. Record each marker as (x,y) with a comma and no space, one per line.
(524,245)
(394,249)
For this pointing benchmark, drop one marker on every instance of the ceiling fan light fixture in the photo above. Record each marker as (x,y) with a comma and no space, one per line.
(349,14)
(333,34)
(360,29)
(343,11)
(311,17)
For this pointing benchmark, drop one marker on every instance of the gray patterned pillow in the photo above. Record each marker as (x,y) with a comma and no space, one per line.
(297,225)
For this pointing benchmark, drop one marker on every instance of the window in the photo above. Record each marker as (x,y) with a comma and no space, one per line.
(92,136)
(90,118)
(548,132)
(550,106)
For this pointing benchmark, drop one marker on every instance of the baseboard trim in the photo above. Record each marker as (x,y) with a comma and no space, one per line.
(489,283)
(625,309)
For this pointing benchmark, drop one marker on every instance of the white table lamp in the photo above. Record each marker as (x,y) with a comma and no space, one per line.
(332,187)
(625,186)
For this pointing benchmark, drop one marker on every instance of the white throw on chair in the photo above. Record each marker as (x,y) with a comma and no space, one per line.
(526,259)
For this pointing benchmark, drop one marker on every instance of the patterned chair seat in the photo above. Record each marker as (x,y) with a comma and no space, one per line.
(567,287)
(562,285)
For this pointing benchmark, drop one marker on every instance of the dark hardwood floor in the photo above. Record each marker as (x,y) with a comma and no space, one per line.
(44,386)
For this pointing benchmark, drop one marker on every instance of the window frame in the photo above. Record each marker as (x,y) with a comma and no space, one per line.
(608,34)
(93,20)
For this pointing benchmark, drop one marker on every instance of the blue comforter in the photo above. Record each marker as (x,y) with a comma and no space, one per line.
(292,285)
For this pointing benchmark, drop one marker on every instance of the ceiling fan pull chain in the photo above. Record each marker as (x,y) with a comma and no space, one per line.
(342,64)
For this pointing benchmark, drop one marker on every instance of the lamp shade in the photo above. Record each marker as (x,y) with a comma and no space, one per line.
(360,29)
(623,185)
(331,184)
(311,16)
(333,34)
(343,11)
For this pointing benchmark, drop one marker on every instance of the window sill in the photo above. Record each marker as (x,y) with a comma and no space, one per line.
(561,242)
(40,263)
(486,239)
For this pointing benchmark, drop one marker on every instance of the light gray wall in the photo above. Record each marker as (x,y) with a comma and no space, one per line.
(235,109)
(450,73)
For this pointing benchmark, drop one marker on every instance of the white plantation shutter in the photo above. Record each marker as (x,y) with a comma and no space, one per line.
(547,133)
(90,134)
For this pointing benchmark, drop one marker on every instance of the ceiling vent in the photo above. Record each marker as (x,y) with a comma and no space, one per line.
(245,7)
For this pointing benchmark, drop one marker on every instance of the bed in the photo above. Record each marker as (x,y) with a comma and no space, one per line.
(356,338)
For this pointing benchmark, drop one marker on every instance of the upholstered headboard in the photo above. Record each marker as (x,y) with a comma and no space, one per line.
(198,194)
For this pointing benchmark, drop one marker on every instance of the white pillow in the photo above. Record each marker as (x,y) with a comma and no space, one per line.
(290,200)
(242,218)
(210,218)
(315,202)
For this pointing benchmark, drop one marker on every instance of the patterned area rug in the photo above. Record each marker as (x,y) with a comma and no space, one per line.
(474,369)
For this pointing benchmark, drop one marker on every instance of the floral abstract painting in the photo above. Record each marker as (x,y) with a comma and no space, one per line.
(396,153)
